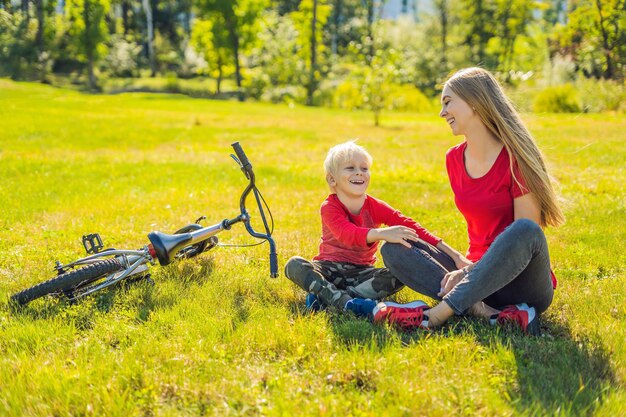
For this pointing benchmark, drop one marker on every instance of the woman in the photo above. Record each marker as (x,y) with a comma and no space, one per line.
(502,188)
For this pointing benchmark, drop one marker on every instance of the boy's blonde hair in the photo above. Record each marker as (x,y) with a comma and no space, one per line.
(341,153)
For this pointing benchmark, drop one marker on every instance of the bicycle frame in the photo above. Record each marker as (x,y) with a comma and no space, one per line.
(190,241)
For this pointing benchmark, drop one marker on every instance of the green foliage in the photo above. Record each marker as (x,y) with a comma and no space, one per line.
(304,25)
(88,27)
(601,95)
(559,99)
(18,54)
(123,57)
(275,62)
(595,35)
(302,20)
(210,38)
(167,55)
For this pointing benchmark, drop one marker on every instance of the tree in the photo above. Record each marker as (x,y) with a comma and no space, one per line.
(478,15)
(596,32)
(443,12)
(89,32)
(147,7)
(17,44)
(239,17)
(310,20)
(211,39)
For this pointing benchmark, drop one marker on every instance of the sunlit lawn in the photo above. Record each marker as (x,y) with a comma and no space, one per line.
(216,335)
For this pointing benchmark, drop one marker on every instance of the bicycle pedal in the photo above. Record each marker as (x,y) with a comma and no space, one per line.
(92,243)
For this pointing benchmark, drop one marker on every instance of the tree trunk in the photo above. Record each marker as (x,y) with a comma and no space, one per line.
(125,11)
(606,47)
(89,48)
(313,64)
(150,29)
(218,86)
(234,38)
(39,39)
(370,35)
(443,15)
(334,36)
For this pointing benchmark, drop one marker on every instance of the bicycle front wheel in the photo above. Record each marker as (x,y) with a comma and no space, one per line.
(68,281)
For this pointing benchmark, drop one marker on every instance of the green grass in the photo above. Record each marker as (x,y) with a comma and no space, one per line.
(216,335)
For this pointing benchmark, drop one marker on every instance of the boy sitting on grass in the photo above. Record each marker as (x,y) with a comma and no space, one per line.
(343,275)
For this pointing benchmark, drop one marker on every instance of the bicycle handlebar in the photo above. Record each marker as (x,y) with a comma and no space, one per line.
(246,167)
(245,163)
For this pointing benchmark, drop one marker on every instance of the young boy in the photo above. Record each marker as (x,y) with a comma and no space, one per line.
(343,273)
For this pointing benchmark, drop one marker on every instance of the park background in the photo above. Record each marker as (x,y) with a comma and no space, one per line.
(87,146)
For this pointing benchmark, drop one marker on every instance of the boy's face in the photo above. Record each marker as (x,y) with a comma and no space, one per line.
(352,178)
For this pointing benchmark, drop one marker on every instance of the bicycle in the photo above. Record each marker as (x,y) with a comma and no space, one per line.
(105,267)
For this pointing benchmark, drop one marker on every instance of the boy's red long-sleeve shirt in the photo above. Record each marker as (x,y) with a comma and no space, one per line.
(344,235)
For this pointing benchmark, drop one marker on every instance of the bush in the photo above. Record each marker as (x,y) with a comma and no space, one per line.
(601,95)
(122,58)
(410,98)
(193,62)
(560,99)
(348,95)
(255,82)
(285,94)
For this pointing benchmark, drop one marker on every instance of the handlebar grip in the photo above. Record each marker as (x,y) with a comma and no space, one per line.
(241,155)
(273,265)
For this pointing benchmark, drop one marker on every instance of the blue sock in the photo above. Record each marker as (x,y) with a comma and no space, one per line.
(362,307)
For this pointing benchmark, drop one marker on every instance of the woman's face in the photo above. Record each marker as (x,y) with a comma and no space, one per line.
(458,114)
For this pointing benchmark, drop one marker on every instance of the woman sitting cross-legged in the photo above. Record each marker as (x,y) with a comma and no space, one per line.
(502,188)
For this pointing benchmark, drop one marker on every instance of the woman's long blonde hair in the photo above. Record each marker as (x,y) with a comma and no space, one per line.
(481,91)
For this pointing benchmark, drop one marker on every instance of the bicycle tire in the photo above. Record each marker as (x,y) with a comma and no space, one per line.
(68,280)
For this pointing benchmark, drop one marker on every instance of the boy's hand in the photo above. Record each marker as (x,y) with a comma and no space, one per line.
(394,234)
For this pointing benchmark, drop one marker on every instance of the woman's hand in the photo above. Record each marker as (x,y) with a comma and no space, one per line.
(393,234)
(461,262)
(450,280)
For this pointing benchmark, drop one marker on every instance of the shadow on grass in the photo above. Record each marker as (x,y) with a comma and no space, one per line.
(355,332)
(556,373)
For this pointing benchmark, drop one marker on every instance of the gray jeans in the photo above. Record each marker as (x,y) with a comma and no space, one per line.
(515,269)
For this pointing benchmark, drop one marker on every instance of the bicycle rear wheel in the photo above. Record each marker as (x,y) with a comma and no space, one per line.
(68,281)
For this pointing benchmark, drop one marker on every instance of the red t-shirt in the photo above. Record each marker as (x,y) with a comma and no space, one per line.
(344,235)
(485,202)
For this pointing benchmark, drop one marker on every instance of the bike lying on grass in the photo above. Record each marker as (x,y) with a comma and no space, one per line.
(105,267)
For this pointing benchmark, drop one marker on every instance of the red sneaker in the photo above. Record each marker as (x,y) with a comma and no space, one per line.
(520,315)
(406,316)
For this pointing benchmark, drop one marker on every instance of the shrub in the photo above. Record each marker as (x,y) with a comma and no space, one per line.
(285,94)
(255,81)
(601,95)
(122,58)
(560,99)
(410,98)
(193,62)
(348,95)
